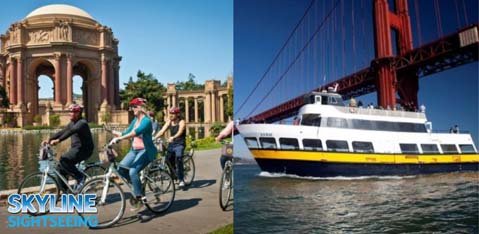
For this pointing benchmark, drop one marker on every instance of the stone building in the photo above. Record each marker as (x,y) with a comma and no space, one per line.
(60,41)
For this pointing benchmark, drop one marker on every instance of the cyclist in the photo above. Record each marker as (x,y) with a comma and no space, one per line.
(142,151)
(177,141)
(227,131)
(81,145)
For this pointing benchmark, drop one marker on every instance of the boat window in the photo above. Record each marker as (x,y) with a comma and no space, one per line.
(467,149)
(289,143)
(337,123)
(251,142)
(324,100)
(409,148)
(311,120)
(312,144)
(267,142)
(429,149)
(340,146)
(363,147)
(449,149)
(374,125)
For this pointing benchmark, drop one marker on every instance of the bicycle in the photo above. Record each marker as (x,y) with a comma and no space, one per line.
(110,200)
(188,162)
(226,183)
(46,182)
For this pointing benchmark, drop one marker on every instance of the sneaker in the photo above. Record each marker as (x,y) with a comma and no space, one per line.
(182,184)
(80,184)
(136,203)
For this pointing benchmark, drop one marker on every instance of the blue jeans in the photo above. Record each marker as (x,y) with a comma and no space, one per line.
(175,157)
(131,166)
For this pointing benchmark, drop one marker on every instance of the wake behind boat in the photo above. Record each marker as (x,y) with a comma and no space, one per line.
(334,140)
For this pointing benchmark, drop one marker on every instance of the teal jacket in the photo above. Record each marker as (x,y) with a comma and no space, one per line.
(144,130)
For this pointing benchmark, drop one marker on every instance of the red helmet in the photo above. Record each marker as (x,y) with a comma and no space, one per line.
(174,110)
(75,108)
(151,114)
(137,102)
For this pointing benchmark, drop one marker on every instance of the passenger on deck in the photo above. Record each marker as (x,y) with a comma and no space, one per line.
(455,129)
(422,108)
(295,121)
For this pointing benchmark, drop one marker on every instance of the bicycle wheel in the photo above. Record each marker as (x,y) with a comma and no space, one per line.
(111,209)
(95,171)
(41,184)
(159,190)
(189,169)
(226,185)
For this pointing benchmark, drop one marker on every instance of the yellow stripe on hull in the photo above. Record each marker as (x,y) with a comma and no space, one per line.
(345,157)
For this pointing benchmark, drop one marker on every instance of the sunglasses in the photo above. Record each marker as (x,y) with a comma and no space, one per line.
(133,107)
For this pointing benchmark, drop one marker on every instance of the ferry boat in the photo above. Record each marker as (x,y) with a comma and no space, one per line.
(332,139)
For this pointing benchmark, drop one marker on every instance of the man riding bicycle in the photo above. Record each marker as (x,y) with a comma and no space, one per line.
(177,141)
(81,145)
(142,151)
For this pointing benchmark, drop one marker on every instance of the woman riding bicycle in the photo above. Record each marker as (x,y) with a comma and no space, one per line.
(142,152)
(177,141)
(228,131)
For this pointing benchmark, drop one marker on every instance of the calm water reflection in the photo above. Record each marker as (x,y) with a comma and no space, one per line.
(19,154)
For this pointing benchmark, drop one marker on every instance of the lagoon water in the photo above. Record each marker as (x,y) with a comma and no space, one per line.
(19,154)
(275,203)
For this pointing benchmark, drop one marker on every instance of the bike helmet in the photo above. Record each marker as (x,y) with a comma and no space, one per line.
(174,110)
(75,108)
(137,102)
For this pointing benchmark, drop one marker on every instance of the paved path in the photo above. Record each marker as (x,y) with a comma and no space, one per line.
(195,210)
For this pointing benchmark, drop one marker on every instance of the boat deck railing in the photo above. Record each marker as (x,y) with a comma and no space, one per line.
(393,113)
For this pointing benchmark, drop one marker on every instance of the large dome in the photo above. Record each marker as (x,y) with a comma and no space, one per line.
(59,9)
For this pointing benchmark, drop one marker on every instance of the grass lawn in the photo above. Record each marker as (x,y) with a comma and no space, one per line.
(224,230)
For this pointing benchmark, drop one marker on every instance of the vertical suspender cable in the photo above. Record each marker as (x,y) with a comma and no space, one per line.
(465,12)
(437,12)
(457,14)
(418,21)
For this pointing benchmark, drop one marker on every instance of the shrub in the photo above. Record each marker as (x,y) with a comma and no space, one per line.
(106,118)
(37,118)
(30,127)
(54,120)
(216,128)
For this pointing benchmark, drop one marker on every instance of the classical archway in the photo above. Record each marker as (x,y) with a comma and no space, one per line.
(60,41)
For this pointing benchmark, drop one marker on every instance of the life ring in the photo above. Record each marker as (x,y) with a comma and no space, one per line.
(352,110)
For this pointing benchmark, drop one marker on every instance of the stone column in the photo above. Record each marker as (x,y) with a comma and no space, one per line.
(58,79)
(69,80)
(222,109)
(168,103)
(20,79)
(213,107)
(111,84)
(187,111)
(196,109)
(207,107)
(103,80)
(13,82)
(4,76)
(174,99)
(117,85)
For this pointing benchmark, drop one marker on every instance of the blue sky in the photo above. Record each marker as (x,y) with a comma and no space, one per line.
(169,39)
(262,26)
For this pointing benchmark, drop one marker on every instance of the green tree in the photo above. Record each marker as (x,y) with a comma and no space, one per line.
(145,86)
(229,104)
(216,128)
(4,102)
(190,84)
